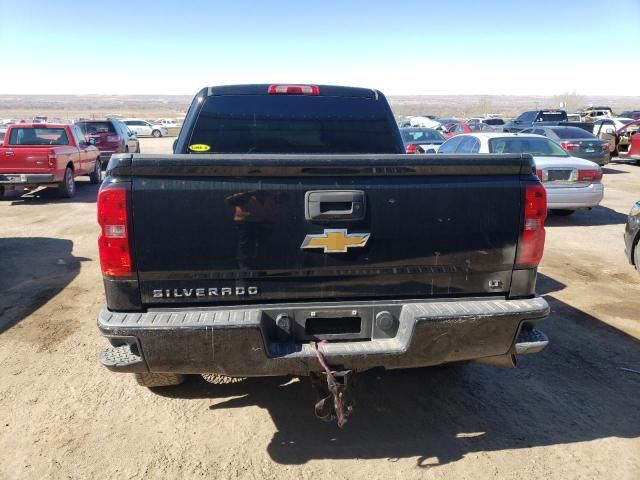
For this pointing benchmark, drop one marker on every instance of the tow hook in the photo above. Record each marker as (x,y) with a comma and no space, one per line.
(334,389)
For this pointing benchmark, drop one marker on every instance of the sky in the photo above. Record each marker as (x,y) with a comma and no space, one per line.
(404,47)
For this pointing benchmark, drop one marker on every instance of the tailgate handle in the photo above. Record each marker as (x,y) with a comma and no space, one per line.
(334,205)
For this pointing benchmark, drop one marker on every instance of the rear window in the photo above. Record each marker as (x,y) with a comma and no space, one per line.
(293,124)
(559,116)
(421,135)
(531,145)
(572,132)
(91,128)
(38,136)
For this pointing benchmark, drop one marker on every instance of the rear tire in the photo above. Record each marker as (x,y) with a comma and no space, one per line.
(96,176)
(1,192)
(152,380)
(156,133)
(67,188)
(562,213)
(636,256)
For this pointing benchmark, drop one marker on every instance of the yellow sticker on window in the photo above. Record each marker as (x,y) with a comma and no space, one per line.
(199,147)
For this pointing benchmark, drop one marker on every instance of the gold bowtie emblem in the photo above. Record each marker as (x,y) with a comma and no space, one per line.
(335,240)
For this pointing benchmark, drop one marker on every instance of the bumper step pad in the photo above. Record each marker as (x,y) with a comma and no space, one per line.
(122,359)
(531,341)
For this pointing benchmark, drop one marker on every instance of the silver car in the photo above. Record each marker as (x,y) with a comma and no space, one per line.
(571,183)
(142,128)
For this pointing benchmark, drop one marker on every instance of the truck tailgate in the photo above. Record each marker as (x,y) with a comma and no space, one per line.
(213,229)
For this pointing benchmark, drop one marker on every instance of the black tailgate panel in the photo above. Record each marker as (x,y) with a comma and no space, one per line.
(207,239)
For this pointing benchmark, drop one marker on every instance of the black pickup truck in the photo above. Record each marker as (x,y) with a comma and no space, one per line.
(535,118)
(290,234)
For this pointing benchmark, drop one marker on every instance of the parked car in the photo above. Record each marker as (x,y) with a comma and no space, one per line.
(43,154)
(166,122)
(142,128)
(344,256)
(446,121)
(462,127)
(610,125)
(605,129)
(635,114)
(571,182)
(493,121)
(595,113)
(456,129)
(110,136)
(574,117)
(577,142)
(628,141)
(535,117)
(632,236)
(422,121)
(421,140)
(446,125)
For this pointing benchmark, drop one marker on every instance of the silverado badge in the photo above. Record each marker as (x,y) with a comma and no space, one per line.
(335,240)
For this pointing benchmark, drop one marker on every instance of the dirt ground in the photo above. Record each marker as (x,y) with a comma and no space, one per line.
(569,412)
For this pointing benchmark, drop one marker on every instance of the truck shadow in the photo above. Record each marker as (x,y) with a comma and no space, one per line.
(597,216)
(32,271)
(546,285)
(571,392)
(85,193)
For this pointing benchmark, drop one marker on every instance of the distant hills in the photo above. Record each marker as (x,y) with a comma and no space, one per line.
(69,107)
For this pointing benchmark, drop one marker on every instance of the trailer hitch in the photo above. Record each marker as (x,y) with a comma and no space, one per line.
(334,389)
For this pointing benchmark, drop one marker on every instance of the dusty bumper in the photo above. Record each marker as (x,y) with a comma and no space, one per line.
(241,342)
(575,197)
(26,178)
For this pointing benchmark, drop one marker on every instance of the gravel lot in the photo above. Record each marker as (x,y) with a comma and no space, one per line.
(569,412)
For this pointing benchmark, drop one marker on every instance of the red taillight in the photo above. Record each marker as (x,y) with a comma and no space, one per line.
(539,173)
(531,245)
(52,159)
(113,242)
(592,175)
(569,147)
(294,90)
(410,148)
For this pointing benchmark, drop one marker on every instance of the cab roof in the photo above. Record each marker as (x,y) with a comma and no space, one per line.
(262,89)
(38,125)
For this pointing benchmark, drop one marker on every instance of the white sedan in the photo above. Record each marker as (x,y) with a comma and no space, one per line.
(144,128)
(571,182)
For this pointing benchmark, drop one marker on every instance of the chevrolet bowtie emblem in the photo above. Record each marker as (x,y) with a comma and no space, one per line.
(335,240)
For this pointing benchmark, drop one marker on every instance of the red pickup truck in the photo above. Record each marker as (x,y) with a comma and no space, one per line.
(33,155)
